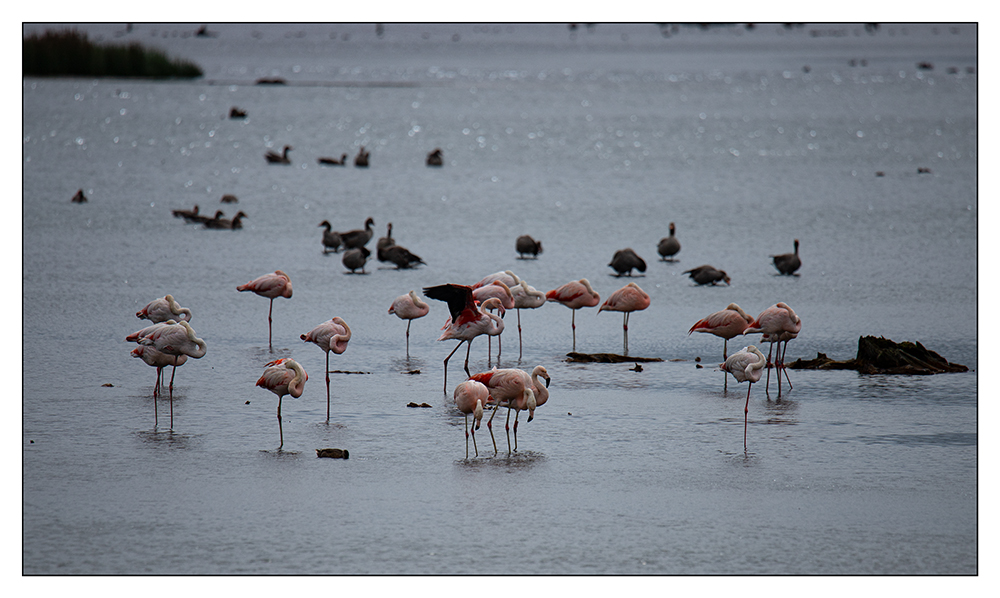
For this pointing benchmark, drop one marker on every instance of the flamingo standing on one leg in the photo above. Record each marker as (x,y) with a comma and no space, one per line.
(270,286)
(332,335)
(508,388)
(163,309)
(745,365)
(774,321)
(627,299)
(175,340)
(470,396)
(726,324)
(525,297)
(409,307)
(467,320)
(574,295)
(159,360)
(501,291)
(283,377)
(507,277)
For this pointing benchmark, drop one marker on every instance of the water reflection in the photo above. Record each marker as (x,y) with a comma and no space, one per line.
(165,438)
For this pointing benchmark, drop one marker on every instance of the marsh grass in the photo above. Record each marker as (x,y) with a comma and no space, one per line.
(70,53)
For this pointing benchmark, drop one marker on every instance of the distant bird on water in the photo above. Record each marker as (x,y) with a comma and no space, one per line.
(332,335)
(185,214)
(235,112)
(409,307)
(361,160)
(358,237)
(467,319)
(355,258)
(331,239)
(707,275)
(435,158)
(283,377)
(574,295)
(401,256)
(201,218)
(270,286)
(163,309)
(225,223)
(525,245)
(229,198)
(788,263)
(275,158)
(79,197)
(669,246)
(333,161)
(745,365)
(625,260)
(627,299)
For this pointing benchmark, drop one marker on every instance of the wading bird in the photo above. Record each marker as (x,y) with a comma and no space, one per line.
(270,286)
(163,309)
(283,377)
(726,324)
(774,322)
(574,295)
(470,396)
(525,297)
(467,320)
(627,299)
(409,307)
(332,335)
(745,365)
(160,360)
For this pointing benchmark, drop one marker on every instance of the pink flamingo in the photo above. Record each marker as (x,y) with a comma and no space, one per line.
(160,360)
(283,377)
(270,286)
(409,307)
(163,309)
(501,291)
(745,365)
(507,277)
(575,295)
(780,357)
(774,321)
(525,297)
(467,320)
(332,335)
(627,299)
(726,324)
(174,340)
(470,396)
(511,388)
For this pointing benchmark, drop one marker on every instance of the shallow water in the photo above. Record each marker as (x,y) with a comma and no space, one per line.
(591,142)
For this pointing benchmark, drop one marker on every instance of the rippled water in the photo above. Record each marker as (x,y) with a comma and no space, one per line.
(591,141)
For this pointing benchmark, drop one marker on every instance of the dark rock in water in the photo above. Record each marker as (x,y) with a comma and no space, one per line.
(412,404)
(333,453)
(607,358)
(883,356)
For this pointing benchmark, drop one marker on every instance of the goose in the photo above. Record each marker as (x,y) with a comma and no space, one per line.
(788,263)
(625,260)
(201,218)
(79,197)
(225,223)
(185,214)
(525,245)
(282,158)
(358,237)
(402,257)
(707,275)
(355,258)
(331,238)
(384,243)
(435,158)
(669,246)
(333,161)
(361,160)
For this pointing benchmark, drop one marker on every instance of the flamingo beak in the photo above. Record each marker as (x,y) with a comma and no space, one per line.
(547,380)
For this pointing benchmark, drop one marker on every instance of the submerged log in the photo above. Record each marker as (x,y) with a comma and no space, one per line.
(606,358)
(883,356)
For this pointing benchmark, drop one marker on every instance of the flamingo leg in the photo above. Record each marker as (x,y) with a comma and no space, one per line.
(507,428)
(573,323)
(467,436)
(516,415)
(520,349)
(408,322)
(170,388)
(777,367)
(725,345)
(489,424)
(281,434)
(327,387)
(156,391)
(783,368)
(269,309)
(625,328)
(467,352)
(767,381)
(446,365)
(746,410)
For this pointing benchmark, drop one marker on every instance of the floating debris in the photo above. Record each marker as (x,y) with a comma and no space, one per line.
(108,385)
(607,358)
(346,372)
(411,372)
(333,453)
(412,404)
(637,368)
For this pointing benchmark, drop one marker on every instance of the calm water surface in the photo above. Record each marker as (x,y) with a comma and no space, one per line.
(590,141)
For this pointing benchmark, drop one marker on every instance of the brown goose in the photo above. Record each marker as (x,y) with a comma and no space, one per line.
(225,223)
(333,161)
(185,214)
(707,275)
(331,238)
(435,158)
(788,263)
(79,197)
(235,112)
(384,243)
(625,260)
(229,198)
(359,237)
(355,258)
(201,218)
(402,257)
(282,158)
(669,246)
(525,245)
(361,160)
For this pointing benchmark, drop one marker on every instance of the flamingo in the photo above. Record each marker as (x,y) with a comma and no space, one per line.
(574,295)
(508,388)
(270,286)
(774,321)
(627,299)
(788,263)
(726,324)
(435,158)
(707,275)
(780,357)
(501,291)
(669,246)
(467,321)
(332,335)
(525,245)
(354,239)
(409,307)
(525,297)
(745,366)
(507,277)
(160,360)
(275,158)
(624,260)
(331,239)
(163,309)
(470,396)
(283,377)
(177,341)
